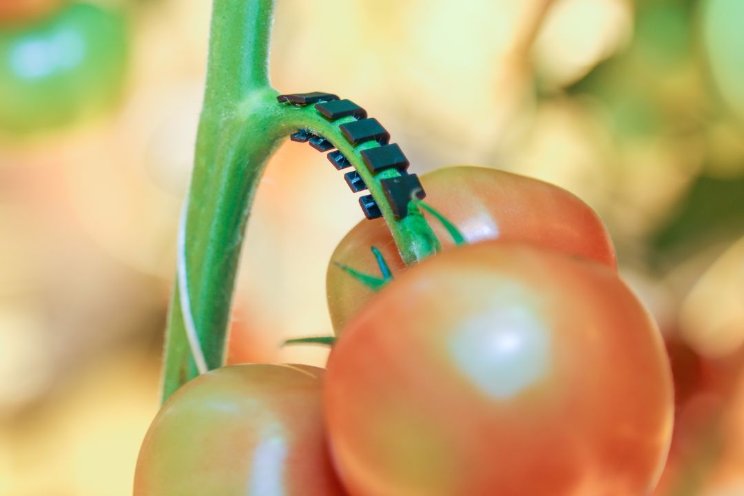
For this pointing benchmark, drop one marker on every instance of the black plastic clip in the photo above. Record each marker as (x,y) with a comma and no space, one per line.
(385,157)
(337,109)
(338,160)
(303,99)
(400,190)
(358,132)
(300,136)
(320,143)
(369,207)
(355,181)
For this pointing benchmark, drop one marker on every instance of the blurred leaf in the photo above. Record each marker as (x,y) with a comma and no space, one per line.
(712,209)
(723,32)
(663,32)
(650,88)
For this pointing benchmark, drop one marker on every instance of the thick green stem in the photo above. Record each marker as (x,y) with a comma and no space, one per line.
(238,52)
(233,144)
(227,171)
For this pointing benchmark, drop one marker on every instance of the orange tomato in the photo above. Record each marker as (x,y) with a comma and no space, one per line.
(500,368)
(484,204)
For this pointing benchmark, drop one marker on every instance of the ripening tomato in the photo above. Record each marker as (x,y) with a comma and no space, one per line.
(248,429)
(484,204)
(15,11)
(500,368)
(64,66)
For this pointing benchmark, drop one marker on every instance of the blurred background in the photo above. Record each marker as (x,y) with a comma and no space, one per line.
(636,107)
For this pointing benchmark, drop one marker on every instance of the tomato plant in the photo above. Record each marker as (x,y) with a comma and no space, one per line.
(249,429)
(63,66)
(517,365)
(483,203)
(500,368)
(15,11)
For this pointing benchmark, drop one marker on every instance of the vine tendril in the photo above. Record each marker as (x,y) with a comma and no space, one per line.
(185,300)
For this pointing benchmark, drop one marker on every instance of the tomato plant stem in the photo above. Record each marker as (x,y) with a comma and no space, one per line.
(240,126)
(233,143)
(238,52)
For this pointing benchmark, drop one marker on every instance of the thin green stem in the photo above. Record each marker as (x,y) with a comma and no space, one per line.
(412,234)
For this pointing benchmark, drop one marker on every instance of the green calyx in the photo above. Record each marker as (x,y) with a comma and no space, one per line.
(415,206)
(457,237)
(372,282)
(382,264)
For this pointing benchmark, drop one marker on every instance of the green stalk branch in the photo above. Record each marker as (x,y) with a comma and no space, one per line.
(412,234)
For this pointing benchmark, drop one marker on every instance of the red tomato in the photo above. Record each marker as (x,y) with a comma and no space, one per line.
(249,429)
(500,368)
(21,10)
(484,204)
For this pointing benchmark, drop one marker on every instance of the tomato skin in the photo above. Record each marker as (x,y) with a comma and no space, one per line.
(62,67)
(500,368)
(484,204)
(248,429)
(13,11)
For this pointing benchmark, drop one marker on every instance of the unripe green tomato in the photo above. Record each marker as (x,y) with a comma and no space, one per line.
(62,67)
(244,430)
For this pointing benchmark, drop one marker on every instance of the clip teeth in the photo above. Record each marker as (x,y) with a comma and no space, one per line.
(355,181)
(338,160)
(337,109)
(300,136)
(321,144)
(369,207)
(364,130)
(400,190)
(303,99)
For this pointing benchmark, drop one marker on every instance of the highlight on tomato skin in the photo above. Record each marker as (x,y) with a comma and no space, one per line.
(500,368)
(484,203)
(248,429)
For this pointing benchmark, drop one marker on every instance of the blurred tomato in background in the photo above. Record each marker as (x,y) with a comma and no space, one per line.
(60,64)
(636,107)
(19,11)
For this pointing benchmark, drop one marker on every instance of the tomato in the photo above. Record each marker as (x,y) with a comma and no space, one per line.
(13,11)
(500,368)
(64,66)
(484,204)
(248,429)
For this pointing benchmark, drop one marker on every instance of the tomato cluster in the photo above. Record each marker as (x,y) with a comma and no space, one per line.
(517,364)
